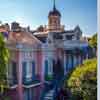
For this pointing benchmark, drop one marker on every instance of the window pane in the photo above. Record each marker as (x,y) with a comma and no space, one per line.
(33,69)
(24,64)
(46,67)
(14,71)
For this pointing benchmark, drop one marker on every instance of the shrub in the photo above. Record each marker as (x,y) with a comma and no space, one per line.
(82,82)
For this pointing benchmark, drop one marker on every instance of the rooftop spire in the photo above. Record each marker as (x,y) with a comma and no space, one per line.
(54,5)
(54,11)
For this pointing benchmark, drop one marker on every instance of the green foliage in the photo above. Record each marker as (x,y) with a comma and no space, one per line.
(4,55)
(93,41)
(82,82)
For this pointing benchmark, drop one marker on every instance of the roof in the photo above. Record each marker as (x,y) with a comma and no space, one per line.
(23,37)
(54,12)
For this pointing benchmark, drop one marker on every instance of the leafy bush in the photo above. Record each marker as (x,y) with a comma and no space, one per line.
(4,57)
(82,82)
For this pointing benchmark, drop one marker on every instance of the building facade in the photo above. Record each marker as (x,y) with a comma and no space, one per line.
(37,57)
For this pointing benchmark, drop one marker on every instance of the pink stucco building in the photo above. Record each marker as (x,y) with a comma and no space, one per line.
(34,54)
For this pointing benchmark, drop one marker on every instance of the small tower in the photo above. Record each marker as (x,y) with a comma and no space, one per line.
(54,20)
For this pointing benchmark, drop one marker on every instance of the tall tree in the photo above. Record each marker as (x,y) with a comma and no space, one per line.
(93,44)
(4,55)
(93,41)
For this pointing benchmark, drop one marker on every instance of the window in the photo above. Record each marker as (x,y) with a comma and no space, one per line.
(75,61)
(29,70)
(33,69)
(24,65)
(46,67)
(69,61)
(50,66)
(14,70)
(55,22)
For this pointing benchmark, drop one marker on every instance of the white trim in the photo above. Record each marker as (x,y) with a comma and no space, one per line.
(33,85)
(13,87)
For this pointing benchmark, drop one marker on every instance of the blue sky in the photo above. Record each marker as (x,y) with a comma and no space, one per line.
(35,13)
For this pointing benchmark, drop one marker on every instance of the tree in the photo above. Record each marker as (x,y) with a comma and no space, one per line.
(93,41)
(82,82)
(4,55)
(93,44)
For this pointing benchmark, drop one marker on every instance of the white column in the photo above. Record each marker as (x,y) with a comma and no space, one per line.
(19,73)
(20,68)
(43,66)
(29,70)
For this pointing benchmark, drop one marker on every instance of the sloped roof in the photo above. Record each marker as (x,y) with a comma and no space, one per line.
(24,38)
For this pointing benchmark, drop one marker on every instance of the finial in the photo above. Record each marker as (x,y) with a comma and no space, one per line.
(54,6)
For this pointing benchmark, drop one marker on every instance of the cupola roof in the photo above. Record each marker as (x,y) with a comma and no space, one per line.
(54,12)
